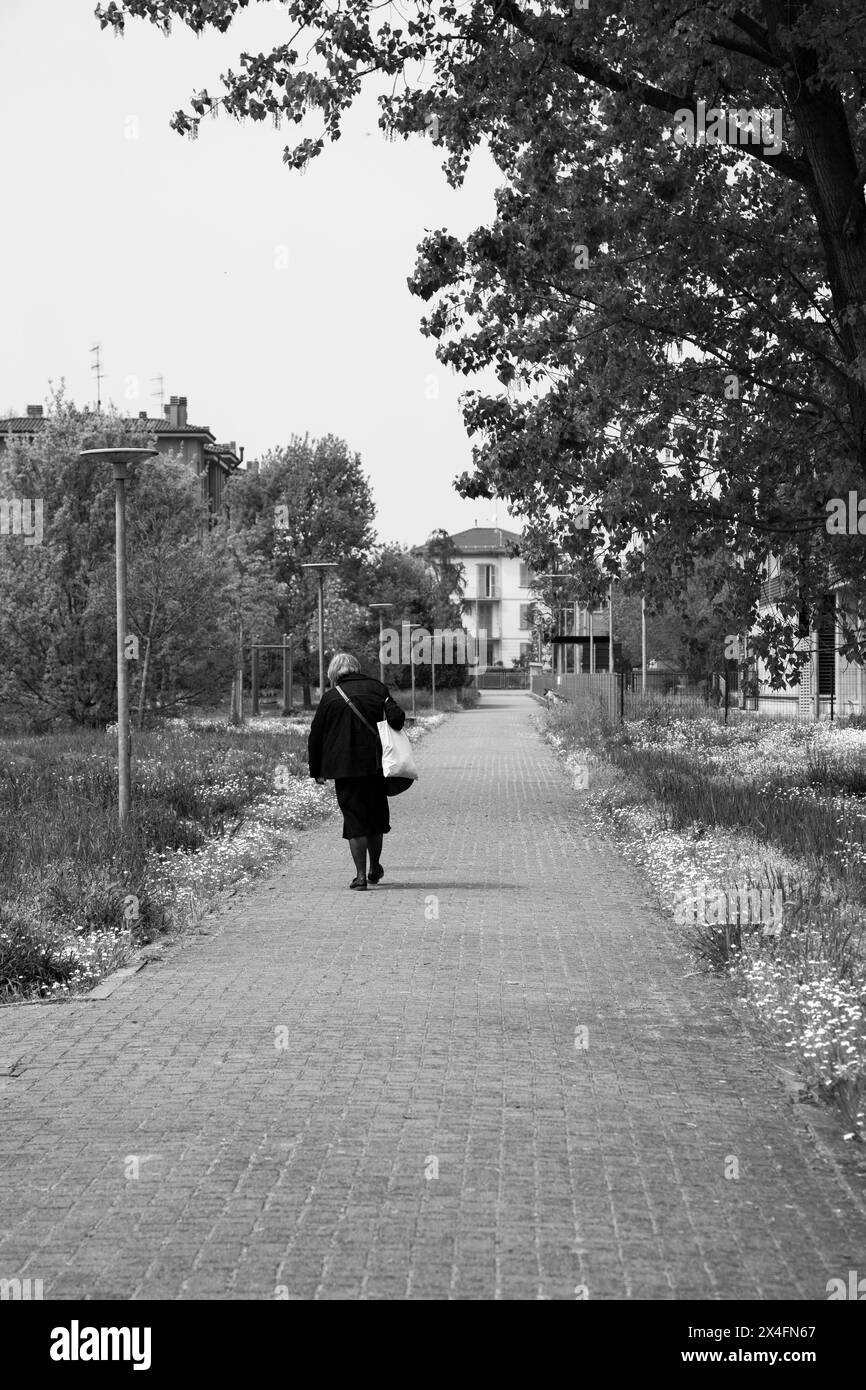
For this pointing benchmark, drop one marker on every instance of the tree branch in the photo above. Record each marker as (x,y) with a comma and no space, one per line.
(756,32)
(746,49)
(596,70)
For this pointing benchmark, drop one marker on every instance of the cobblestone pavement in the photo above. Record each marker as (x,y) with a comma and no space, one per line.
(496,1075)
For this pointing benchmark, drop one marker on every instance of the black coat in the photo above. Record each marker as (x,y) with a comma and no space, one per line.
(339,744)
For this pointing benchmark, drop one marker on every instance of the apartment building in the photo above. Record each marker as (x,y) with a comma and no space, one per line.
(173,434)
(497,592)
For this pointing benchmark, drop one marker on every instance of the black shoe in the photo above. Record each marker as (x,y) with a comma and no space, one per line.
(375,875)
(359,882)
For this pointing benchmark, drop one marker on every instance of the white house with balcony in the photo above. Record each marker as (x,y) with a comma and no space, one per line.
(497,592)
(830,685)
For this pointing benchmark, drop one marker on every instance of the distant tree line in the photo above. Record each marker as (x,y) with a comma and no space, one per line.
(198,593)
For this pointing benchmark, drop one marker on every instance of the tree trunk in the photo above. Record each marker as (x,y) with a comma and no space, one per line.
(307,690)
(151,622)
(837,201)
(237,708)
(141,693)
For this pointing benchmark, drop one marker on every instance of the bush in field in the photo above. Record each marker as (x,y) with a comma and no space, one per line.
(27,960)
(40,960)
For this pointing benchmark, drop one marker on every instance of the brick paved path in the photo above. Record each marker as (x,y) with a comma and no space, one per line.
(288,1086)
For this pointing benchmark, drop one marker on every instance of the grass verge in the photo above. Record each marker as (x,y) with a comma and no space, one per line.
(754,837)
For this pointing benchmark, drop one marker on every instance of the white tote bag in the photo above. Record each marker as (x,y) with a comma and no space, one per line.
(398,765)
(397,760)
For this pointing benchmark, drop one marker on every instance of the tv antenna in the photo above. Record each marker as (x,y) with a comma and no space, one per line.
(160,391)
(98,373)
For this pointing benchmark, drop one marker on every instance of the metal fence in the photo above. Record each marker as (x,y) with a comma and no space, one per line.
(595,688)
(498,678)
(668,690)
(788,705)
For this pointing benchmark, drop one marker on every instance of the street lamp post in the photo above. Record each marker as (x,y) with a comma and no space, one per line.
(643,645)
(119,459)
(412,667)
(320,566)
(288,674)
(381,608)
(407,630)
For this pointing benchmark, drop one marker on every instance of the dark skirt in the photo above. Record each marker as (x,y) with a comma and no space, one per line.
(364,805)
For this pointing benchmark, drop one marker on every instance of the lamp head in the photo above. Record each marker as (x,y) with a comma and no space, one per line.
(118,457)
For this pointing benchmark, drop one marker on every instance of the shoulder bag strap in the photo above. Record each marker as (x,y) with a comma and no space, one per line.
(354,708)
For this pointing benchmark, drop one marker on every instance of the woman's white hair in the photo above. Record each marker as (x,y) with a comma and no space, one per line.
(341,664)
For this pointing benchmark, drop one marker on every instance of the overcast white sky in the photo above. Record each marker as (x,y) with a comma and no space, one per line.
(114,229)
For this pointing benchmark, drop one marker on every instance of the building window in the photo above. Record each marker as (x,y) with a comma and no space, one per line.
(486,579)
(526,615)
(484,618)
(525,581)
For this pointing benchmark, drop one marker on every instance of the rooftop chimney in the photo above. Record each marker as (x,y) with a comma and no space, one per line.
(34,412)
(176,412)
(181,410)
(142,415)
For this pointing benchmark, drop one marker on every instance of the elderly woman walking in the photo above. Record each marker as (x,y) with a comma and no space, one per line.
(342,746)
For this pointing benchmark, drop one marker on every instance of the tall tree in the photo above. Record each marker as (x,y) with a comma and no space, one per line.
(57,640)
(57,596)
(633,291)
(310,500)
(440,555)
(179,578)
